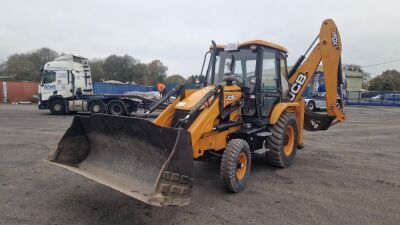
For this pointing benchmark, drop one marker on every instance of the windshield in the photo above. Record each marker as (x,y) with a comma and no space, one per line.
(48,77)
(241,64)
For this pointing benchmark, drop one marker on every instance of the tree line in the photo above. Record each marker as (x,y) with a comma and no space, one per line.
(125,68)
(388,80)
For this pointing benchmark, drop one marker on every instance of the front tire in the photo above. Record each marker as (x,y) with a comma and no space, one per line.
(283,142)
(57,107)
(235,165)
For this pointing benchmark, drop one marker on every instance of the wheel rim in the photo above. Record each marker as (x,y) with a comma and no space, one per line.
(242,166)
(57,107)
(289,141)
(311,106)
(96,108)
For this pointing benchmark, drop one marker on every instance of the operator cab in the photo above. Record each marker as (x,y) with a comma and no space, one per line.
(259,68)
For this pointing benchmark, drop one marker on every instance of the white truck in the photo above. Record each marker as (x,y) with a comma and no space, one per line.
(316,96)
(66,87)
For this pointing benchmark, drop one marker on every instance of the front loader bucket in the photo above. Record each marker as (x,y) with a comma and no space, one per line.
(134,156)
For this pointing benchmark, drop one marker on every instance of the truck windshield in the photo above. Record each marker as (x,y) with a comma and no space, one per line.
(241,64)
(48,77)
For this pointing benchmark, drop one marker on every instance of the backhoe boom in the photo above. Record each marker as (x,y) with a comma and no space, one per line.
(327,51)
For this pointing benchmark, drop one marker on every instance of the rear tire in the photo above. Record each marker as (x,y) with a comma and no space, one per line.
(235,165)
(116,108)
(96,107)
(57,107)
(283,142)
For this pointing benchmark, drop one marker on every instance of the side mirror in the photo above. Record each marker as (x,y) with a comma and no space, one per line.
(252,80)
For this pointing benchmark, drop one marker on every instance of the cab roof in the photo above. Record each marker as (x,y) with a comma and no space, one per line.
(259,42)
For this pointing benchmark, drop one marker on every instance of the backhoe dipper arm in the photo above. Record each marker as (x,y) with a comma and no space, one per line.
(328,50)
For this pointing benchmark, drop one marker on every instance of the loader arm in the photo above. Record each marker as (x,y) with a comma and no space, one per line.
(327,51)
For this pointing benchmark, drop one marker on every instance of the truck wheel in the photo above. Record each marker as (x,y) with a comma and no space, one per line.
(235,165)
(96,107)
(116,108)
(57,107)
(311,106)
(283,141)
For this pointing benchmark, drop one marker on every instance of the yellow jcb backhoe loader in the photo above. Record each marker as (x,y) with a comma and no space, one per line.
(248,103)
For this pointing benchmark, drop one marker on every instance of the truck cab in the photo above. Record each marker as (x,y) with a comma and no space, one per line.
(66,78)
(315,99)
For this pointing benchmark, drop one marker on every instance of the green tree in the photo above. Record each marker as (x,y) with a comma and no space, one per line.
(2,70)
(140,73)
(22,68)
(389,80)
(42,56)
(96,67)
(26,66)
(119,68)
(157,72)
(175,79)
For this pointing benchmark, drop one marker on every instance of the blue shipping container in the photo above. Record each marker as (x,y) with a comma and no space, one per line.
(100,88)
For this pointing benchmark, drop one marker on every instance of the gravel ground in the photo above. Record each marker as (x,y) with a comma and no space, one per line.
(347,175)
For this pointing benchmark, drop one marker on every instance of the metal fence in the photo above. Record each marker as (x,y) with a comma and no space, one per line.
(109,88)
(376,98)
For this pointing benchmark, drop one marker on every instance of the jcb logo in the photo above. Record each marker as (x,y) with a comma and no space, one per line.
(335,38)
(296,87)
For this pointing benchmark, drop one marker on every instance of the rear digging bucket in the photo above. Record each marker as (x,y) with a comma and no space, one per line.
(317,122)
(134,156)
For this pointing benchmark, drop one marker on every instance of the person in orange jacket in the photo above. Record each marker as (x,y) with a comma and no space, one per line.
(161,89)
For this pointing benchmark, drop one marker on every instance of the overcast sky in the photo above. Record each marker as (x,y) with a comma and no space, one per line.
(179,32)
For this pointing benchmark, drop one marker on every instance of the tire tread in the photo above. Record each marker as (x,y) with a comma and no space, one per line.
(276,141)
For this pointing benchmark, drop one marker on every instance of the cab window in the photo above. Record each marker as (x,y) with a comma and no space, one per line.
(48,77)
(238,71)
(269,72)
(241,64)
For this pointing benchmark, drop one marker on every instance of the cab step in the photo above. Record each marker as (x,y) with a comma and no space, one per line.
(264,134)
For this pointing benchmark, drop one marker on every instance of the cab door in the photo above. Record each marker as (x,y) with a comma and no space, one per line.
(270,81)
(62,83)
(48,84)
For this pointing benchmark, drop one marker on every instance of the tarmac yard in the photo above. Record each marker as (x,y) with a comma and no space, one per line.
(349,174)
